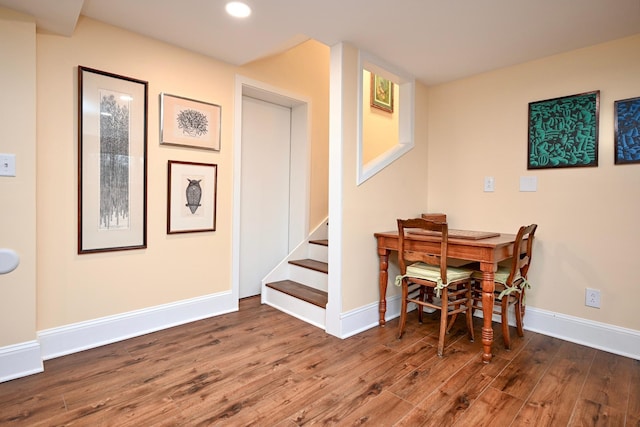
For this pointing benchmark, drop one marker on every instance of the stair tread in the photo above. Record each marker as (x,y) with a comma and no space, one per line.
(312,264)
(322,242)
(298,290)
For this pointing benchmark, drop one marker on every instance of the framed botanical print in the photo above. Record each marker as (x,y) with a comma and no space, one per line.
(189,122)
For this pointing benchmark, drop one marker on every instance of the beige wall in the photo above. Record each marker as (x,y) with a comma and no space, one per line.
(304,70)
(396,191)
(379,128)
(18,194)
(587,217)
(74,288)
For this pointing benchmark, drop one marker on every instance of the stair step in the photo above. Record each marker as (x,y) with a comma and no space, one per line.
(322,242)
(300,291)
(311,264)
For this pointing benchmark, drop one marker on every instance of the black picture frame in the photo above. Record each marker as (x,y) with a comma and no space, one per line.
(627,131)
(191,197)
(563,132)
(112,162)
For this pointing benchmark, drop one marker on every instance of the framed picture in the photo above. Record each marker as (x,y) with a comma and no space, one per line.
(190,123)
(563,132)
(627,131)
(191,205)
(381,93)
(112,162)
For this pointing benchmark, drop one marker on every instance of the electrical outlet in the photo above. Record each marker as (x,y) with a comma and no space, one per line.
(592,298)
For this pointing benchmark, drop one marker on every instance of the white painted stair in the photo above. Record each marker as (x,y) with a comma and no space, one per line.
(298,285)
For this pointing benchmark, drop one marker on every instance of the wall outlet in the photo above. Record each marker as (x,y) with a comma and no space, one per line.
(592,298)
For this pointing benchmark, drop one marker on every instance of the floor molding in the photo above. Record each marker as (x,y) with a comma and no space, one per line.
(27,358)
(81,336)
(606,337)
(20,360)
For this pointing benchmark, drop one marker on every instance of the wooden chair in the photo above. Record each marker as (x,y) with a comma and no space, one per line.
(510,283)
(422,273)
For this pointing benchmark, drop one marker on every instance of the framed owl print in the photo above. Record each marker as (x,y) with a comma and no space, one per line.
(191,198)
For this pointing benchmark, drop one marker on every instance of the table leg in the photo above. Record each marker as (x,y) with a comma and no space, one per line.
(383,276)
(488,286)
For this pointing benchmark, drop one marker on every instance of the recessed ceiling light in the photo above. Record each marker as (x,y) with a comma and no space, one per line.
(238,9)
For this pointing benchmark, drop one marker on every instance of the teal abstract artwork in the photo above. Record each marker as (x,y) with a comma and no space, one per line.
(563,132)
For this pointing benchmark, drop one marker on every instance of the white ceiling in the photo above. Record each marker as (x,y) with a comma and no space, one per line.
(434,40)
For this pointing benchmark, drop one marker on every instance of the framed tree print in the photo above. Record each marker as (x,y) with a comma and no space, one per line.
(191,199)
(112,162)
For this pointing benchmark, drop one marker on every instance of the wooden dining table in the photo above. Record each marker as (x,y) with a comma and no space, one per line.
(486,248)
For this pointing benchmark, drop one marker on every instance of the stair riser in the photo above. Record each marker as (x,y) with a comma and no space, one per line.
(319,252)
(312,278)
(295,307)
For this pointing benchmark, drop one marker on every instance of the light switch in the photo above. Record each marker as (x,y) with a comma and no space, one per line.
(489,184)
(7,164)
(528,183)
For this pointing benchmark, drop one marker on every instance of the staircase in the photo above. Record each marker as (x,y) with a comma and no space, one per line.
(298,285)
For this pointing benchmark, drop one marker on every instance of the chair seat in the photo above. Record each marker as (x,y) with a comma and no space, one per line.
(424,271)
(501,277)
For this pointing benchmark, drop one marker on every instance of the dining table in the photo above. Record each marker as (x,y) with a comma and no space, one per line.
(485,248)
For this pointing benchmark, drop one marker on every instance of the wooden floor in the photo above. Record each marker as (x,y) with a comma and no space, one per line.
(261,367)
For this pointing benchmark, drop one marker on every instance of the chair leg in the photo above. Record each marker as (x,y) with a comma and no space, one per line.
(403,310)
(444,302)
(504,308)
(453,319)
(470,312)
(420,307)
(519,308)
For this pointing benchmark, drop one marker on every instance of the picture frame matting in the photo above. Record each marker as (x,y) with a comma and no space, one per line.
(112,161)
(190,123)
(191,197)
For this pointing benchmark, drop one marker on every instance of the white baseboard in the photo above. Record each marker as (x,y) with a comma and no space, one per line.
(81,336)
(26,358)
(610,338)
(613,339)
(355,321)
(20,360)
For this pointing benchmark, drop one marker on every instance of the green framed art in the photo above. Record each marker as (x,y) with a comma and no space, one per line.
(563,132)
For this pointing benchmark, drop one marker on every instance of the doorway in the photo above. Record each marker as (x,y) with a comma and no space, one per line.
(271,181)
(264,191)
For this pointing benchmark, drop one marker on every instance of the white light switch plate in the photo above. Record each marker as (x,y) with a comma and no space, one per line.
(7,164)
(528,183)
(489,184)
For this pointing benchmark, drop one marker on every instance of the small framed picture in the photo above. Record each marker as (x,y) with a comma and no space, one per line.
(627,132)
(381,93)
(112,162)
(190,123)
(191,199)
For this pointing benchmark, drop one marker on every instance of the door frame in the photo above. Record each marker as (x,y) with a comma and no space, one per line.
(300,164)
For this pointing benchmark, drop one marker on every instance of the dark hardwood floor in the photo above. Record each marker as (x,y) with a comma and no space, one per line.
(264,368)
